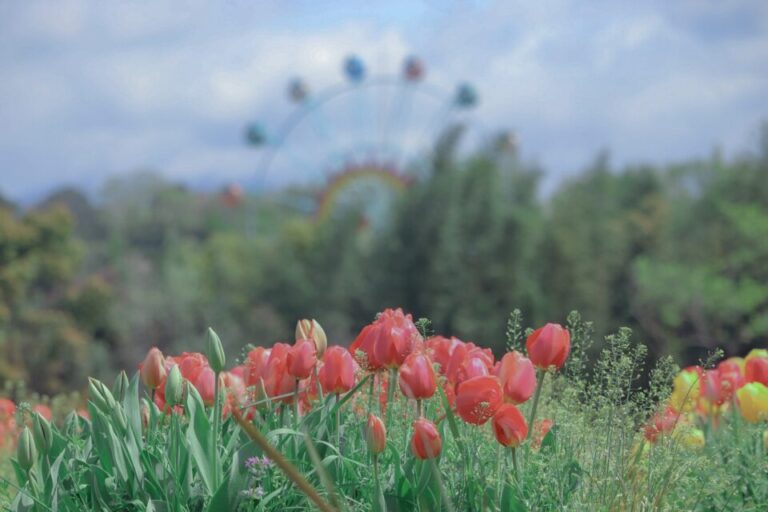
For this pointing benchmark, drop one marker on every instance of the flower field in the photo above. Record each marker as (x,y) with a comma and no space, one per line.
(403,419)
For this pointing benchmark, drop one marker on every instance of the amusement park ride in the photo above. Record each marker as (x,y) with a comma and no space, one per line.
(354,144)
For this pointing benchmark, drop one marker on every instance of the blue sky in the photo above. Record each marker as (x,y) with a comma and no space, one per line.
(93,89)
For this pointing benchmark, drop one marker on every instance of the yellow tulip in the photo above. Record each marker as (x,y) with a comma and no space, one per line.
(686,389)
(756,352)
(753,401)
(692,437)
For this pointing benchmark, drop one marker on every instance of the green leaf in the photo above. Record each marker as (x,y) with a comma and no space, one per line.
(511,500)
(199,437)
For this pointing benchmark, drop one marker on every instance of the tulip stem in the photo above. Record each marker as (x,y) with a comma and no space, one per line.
(319,387)
(391,394)
(216,428)
(419,408)
(370,396)
(379,495)
(514,464)
(540,375)
(296,405)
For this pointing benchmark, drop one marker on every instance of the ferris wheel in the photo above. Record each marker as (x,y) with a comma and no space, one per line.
(356,144)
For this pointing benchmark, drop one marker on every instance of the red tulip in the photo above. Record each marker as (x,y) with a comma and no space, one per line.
(468,361)
(301,359)
(417,377)
(277,380)
(478,399)
(43,410)
(756,370)
(426,442)
(386,342)
(152,369)
(517,376)
(7,409)
(376,435)
(440,349)
(205,383)
(711,389)
(509,426)
(540,430)
(337,375)
(255,365)
(731,377)
(549,346)
(661,423)
(191,364)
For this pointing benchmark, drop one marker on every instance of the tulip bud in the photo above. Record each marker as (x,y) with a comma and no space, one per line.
(312,330)
(41,431)
(215,352)
(26,453)
(100,396)
(517,376)
(376,435)
(173,387)
(120,388)
(153,369)
(426,442)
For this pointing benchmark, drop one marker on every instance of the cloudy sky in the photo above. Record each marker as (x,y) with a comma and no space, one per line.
(91,89)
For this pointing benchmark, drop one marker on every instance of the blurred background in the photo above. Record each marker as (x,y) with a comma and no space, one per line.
(167,166)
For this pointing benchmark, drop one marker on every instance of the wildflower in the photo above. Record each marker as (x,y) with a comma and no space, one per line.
(549,346)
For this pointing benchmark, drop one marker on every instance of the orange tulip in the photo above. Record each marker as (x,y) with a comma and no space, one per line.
(376,435)
(509,426)
(756,370)
(301,358)
(417,377)
(426,442)
(549,346)
(478,399)
(337,375)
(152,369)
(517,376)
